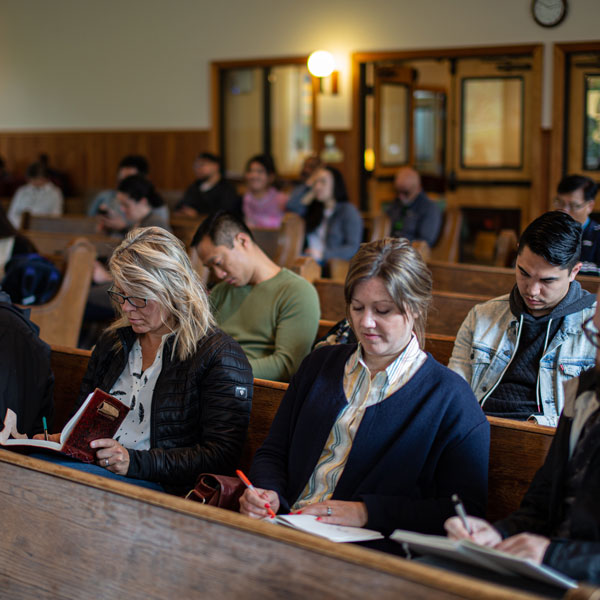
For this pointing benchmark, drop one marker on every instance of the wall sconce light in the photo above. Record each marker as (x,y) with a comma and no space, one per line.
(322,64)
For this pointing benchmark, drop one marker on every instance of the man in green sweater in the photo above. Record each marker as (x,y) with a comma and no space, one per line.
(272,312)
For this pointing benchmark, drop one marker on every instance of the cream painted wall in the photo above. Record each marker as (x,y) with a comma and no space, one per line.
(127,64)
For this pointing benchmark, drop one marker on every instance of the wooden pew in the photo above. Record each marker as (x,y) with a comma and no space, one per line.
(517,449)
(448,311)
(67,534)
(54,244)
(60,319)
(78,224)
(487,281)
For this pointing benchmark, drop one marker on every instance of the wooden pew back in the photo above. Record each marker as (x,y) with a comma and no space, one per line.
(448,310)
(50,243)
(517,449)
(484,280)
(77,224)
(67,534)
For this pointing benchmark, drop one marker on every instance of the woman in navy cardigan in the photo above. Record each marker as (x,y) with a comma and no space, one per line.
(377,434)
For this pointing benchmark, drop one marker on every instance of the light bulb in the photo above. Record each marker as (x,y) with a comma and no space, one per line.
(321,63)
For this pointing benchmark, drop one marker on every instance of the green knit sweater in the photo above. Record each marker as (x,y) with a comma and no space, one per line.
(274,321)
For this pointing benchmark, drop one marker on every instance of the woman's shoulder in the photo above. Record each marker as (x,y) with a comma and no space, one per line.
(218,346)
(328,357)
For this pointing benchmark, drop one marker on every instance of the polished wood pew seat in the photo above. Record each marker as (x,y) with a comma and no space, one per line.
(67,534)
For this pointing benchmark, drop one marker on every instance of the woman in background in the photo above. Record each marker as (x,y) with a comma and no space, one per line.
(263,204)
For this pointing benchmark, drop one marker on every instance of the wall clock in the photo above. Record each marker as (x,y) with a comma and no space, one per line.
(549,13)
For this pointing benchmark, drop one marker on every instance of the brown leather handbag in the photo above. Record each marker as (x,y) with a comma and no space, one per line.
(218,490)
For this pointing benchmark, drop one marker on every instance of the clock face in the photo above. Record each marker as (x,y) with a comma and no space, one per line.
(549,13)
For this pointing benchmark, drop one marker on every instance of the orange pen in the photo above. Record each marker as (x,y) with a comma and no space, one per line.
(247,483)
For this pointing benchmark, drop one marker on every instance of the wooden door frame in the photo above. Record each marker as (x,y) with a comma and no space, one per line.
(216,67)
(559,104)
(535,50)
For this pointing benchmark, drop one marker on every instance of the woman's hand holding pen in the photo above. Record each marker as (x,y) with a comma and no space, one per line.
(256,503)
(52,437)
(482,532)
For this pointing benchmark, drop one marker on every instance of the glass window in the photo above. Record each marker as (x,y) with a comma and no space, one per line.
(428,127)
(393,129)
(592,123)
(492,123)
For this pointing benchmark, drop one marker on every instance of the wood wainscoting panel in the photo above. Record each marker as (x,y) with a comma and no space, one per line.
(90,158)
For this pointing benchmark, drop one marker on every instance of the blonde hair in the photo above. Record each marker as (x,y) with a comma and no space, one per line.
(403,272)
(152,263)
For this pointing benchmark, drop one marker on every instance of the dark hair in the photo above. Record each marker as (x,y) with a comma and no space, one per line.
(265,160)
(37,169)
(221,227)
(138,187)
(572,183)
(556,237)
(316,209)
(135,161)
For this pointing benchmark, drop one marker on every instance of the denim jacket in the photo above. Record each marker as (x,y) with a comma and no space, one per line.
(487,341)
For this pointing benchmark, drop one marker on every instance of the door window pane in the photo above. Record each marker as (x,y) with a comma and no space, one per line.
(592,123)
(492,123)
(428,126)
(291,116)
(393,129)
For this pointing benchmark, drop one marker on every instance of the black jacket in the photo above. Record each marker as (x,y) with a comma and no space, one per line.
(542,510)
(200,408)
(26,380)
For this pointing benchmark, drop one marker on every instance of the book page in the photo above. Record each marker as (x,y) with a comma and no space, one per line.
(334,533)
(64,434)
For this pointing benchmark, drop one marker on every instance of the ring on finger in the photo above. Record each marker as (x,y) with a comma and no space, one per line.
(106,462)
(329,511)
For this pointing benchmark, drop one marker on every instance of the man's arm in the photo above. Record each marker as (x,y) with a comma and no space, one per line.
(430,225)
(296,329)
(460,361)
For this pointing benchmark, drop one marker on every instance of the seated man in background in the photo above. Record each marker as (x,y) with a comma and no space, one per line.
(210,192)
(272,312)
(26,380)
(517,350)
(39,196)
(558,523)
(413,215)
(575,196)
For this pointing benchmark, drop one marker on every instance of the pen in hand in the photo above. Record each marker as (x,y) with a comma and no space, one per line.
(461,512)
(249,485)
(45,428)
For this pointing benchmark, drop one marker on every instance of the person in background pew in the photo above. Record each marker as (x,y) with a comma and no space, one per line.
(12,243)
(105,203)
(302,194)
(334,227)
(263,204)
(412,214)
(517,350)
(376,434)
(39,196)
(558,522)
(188,384)
(210,192)
(26,379)
(272,312)
(576,196)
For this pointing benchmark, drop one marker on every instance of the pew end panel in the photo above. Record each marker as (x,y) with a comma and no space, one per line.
(517,450)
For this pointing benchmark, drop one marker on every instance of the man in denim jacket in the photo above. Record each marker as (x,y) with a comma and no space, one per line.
(517,350)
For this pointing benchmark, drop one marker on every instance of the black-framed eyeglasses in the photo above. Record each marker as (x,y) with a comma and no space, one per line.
(591,332)
(135,301)
(559,203)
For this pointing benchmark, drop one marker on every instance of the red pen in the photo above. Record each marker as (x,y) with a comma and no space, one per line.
(247,483)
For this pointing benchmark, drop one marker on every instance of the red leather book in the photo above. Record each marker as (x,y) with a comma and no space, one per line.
(100,416)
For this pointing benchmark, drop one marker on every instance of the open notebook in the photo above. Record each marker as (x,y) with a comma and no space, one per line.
(334,533)
(481,556)
(98,417)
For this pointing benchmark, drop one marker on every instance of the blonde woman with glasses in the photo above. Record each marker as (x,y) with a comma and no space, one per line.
(188,384)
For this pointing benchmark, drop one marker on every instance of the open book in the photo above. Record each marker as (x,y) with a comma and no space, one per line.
(334,533)
(98,417)
(481,556)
